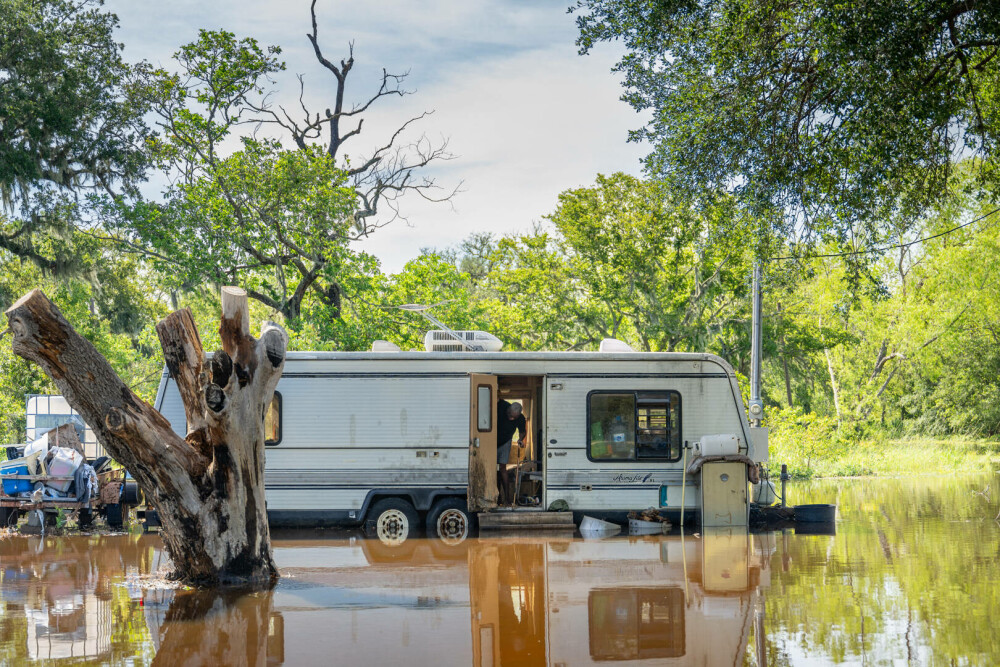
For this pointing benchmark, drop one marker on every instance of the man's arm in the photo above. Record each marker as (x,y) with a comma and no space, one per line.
(522,428)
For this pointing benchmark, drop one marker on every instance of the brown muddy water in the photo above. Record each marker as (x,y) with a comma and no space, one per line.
(912,576)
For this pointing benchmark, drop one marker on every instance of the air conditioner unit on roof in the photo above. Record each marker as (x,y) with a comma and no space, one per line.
(470,341)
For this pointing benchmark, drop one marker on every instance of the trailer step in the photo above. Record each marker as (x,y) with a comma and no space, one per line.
(534,520)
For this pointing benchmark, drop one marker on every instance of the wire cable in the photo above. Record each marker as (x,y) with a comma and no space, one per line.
(888,247)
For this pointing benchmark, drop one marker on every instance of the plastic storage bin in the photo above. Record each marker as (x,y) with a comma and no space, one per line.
(14,486)
(64,463)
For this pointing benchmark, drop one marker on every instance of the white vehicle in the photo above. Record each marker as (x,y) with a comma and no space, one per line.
(396,436)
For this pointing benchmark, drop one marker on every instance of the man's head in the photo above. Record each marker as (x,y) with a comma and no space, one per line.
(514,411)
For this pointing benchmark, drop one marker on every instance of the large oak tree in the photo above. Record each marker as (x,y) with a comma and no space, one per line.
(67,126)
(825,118)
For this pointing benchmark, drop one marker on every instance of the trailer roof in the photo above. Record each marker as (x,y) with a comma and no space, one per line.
(508,356)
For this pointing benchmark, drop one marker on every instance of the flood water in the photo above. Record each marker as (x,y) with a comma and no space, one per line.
(912,576)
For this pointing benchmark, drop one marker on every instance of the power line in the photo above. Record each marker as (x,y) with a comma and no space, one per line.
(888,247)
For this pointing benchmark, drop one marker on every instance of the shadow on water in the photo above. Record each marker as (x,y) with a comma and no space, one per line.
(909,574)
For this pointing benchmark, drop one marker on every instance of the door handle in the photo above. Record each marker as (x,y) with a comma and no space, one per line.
(475,442)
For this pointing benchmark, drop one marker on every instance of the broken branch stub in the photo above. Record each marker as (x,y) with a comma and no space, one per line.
(209,486)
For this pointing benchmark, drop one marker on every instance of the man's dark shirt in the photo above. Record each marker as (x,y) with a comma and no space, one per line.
(506,426)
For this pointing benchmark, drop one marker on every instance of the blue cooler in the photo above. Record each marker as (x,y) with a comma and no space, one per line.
(14,486)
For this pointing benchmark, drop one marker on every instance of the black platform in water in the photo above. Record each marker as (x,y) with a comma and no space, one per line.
(815,513)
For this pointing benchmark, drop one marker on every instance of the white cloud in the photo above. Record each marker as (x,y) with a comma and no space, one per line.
(526,116)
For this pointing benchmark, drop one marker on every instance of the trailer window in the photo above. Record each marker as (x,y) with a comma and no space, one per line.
(612,426)
(638,425)
(272,421)
(484,407)
(658,433)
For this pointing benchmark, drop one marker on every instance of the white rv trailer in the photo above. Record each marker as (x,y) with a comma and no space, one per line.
(351,431)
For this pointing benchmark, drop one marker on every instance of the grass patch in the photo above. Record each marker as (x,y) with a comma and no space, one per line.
(813,446)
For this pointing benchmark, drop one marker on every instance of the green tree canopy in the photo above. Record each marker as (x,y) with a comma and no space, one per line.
(67,126)
(825,118)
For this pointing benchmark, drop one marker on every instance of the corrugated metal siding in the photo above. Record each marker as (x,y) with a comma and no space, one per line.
(172,408)
(353,412)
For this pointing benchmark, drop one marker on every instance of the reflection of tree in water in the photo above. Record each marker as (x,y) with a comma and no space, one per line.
(65,598)
(911,574)
(219,628)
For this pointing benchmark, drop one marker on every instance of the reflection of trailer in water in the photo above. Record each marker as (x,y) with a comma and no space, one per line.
(59,602)
(524,601)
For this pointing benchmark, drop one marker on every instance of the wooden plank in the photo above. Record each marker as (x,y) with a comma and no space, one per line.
(525,520)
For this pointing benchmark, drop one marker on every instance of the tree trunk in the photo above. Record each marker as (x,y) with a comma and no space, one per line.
(833,384)
(784,359)
(209,486)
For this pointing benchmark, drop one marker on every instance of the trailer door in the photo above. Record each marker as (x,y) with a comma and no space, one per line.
(483,492)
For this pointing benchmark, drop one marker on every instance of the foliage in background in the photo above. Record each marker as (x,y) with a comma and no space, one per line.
(827,120)
(67,127)
(768,128)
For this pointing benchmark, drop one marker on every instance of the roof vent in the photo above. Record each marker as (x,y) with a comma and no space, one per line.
(461,341)
(614,345)
(384,346)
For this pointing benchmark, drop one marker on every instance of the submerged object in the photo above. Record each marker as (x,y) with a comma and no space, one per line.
(591,526)
(640,527)
(815,513)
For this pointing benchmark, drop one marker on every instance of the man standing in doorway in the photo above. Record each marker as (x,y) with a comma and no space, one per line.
(509,419)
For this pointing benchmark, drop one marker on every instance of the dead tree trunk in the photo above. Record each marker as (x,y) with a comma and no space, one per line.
(209,486)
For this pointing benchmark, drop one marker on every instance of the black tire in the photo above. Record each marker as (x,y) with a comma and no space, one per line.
(451,521)
(131,494)
(113,515)
(151,520)
(394,520)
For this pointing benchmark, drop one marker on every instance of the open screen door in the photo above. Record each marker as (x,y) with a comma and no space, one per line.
(483,443)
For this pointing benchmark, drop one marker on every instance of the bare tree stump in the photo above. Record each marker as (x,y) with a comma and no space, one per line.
(209,486)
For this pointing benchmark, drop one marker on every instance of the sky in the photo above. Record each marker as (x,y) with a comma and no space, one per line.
(525,116)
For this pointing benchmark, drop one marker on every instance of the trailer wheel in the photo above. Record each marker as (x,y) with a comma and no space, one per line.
(450,520)
(395,520)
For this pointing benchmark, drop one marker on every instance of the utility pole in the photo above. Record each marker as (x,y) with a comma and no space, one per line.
(756,406)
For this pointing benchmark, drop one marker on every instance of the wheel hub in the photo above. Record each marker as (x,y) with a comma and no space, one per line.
(392,527)
(452,526)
